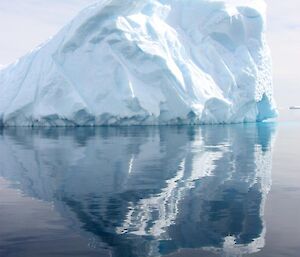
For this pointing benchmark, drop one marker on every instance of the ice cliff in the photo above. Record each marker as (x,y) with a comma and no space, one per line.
(131,62)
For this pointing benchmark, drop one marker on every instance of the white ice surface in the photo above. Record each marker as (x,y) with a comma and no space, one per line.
(146,62)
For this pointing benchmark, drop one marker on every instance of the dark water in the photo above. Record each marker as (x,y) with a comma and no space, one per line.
(146,191)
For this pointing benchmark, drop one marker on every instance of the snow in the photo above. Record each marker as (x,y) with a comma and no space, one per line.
(146,62)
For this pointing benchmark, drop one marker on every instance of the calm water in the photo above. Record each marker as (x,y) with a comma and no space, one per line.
(145,191)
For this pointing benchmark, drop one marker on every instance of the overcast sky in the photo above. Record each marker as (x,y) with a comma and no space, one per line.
(25,24)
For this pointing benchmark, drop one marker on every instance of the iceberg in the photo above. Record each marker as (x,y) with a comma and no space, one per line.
(146,62)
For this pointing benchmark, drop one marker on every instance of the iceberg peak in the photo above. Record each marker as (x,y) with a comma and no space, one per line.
(146,62)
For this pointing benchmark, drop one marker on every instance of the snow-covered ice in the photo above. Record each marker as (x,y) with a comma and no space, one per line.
(148,62)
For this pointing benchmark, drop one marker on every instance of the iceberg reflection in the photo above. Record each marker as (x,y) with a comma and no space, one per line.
(149,191)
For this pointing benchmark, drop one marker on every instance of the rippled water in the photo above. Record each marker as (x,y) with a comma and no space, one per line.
(148,191)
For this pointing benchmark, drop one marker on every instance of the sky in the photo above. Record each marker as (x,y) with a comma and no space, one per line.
(24,24)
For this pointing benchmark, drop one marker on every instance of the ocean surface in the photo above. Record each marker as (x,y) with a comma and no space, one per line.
(226,190)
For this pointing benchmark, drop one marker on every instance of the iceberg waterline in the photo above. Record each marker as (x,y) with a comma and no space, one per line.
(146,62)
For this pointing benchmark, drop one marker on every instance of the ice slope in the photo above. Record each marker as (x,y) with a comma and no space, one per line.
(131,62)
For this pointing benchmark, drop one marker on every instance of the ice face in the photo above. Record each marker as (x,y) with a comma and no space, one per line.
(146,62)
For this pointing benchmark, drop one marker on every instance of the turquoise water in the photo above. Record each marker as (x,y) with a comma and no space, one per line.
(147,191)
